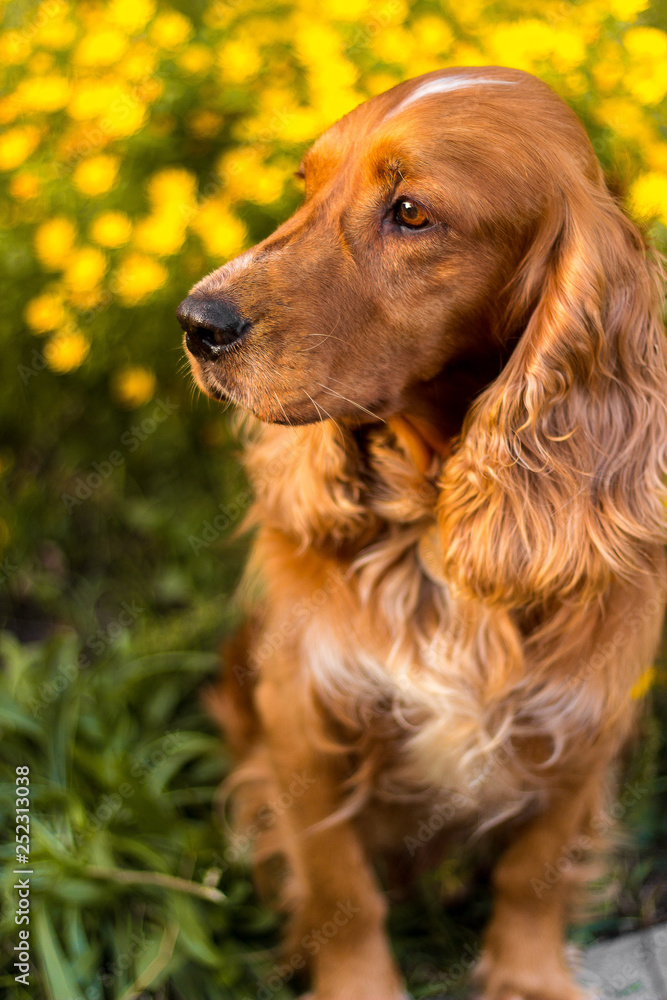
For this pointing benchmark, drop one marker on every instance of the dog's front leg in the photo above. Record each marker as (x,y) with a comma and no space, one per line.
(535,882)
(339,920)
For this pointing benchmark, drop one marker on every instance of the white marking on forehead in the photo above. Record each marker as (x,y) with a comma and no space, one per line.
(444,84)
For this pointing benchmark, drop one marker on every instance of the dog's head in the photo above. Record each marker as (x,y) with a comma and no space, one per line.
(457,243)
(419,207)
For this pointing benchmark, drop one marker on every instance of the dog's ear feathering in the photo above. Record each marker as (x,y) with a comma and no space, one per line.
(556,487)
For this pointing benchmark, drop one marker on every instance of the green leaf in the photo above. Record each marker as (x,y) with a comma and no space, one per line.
(59,974)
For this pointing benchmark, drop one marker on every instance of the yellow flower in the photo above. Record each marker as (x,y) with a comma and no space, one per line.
(568,49)
(247,178)
(521,44)
(314,41)
(625,118)
(121,110)
(204,123)
(642,686)
(626,10)
(66,351)
(609,70)
(172,186)
(130,15)
(44,93)
(332,103)
(656,155)
(377,83)
(87,298)
(55,32)
(9,109)
(140,62)
(24,186)
(646,77)
(171,29)
(127,114)
(648,83)
(395,45)
(162,232)
(646,43)
(41,62)
(433,34)
(96,175)
(293,124)
(91,98)
(85,269)
(239,61)
(111,229)
(133,387)
(195,59)
(45,312)
(17,144)
(463,54)
(648,196)
(14,48)
(343,10)
(54,240)
(137,277)
(221,232)
(100,48)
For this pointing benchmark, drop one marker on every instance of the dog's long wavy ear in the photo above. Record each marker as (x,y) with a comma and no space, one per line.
(556,487)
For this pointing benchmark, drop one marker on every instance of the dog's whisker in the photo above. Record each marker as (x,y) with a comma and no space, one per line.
(332,419)
(354,402)
(319,414)
(325,336)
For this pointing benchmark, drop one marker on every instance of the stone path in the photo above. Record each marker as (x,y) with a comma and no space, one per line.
(633,966)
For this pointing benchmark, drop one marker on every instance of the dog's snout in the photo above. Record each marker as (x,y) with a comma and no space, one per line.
(211,325)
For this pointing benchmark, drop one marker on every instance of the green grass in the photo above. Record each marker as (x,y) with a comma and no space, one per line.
(124,767)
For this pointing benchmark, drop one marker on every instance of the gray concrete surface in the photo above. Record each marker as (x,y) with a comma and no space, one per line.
(633,966)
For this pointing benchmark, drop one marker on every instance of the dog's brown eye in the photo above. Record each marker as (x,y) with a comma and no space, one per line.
(409,213)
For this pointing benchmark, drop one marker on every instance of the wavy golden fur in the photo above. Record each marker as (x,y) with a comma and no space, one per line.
(456,353)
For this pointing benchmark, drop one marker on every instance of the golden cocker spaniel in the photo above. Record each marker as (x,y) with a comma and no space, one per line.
(455,359)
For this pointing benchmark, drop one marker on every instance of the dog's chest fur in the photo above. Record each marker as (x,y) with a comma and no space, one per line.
(434,685)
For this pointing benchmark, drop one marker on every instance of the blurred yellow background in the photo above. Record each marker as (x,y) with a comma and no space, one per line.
(86,84)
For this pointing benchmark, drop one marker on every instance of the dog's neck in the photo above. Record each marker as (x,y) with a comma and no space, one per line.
(424,442)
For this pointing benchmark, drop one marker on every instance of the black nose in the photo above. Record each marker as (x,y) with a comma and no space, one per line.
(210,325)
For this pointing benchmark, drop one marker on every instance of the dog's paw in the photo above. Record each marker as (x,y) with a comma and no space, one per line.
(364,995)
(529,987)
(546,981)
